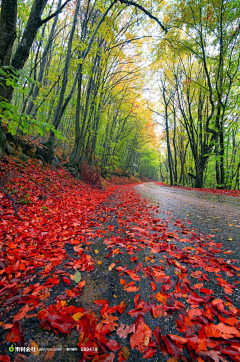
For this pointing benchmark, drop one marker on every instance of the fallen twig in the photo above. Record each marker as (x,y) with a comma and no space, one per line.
(12,199)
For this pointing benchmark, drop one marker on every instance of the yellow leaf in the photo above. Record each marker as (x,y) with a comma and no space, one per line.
(77,316)
(99,262)
(114,295)
(111,266)
(146,341)
(34,348)
(229,239)
(63,303)
(96,251)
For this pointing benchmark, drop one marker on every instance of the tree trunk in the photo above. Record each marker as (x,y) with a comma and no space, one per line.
(35,89)
(73,158)
(169,153)
(8,32)
(21,55)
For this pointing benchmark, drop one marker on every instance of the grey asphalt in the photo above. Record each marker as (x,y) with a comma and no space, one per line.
(207,212)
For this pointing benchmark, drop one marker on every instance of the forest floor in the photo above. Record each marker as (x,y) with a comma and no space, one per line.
(132,272)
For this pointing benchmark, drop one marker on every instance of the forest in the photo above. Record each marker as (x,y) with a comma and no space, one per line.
(142,88)
(119,180)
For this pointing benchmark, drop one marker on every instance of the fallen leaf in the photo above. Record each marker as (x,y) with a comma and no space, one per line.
(153,286)
(77,277)
(49,355)
(123,355)
(34,348)
(22,313)
(77,316)
(124,330)
(111,266)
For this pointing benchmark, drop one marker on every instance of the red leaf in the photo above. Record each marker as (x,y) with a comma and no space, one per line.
(172,348)
(136,298)
(66,280)
(208,313)
(81,284)
(177,339)
(5,358)
(206,291)
(195,312)
(64,325)
(14,334)
(150,352)
(158,311)
(223,328)
(121,307)
(157,335)
(133,258)
(104,358)
(214,355)
(153,286)
(132,289)
(219,303)
(132,275)
(100,302)
(124,330)
(22,313)
(113,345)
(141,337)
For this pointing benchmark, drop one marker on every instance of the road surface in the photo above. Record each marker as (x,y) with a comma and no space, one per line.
(209,213)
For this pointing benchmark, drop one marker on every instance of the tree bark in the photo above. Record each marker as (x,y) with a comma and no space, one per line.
(8,32)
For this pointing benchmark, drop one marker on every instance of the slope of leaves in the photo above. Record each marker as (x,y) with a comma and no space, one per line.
(53,209)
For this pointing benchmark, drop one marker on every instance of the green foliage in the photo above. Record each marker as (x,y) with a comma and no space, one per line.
(10,113)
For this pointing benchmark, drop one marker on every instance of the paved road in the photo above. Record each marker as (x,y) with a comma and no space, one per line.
(209,213)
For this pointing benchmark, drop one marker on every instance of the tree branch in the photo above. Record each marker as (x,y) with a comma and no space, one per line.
(12,199)
(54,14)
(96,29)
(145,11)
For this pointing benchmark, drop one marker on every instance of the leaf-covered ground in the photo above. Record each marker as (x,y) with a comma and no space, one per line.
(96,275)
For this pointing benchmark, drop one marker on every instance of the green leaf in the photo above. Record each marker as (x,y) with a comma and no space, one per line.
(77,277)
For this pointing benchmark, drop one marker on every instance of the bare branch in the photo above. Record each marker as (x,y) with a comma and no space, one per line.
(54,14)
(145,11)
(12,199)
